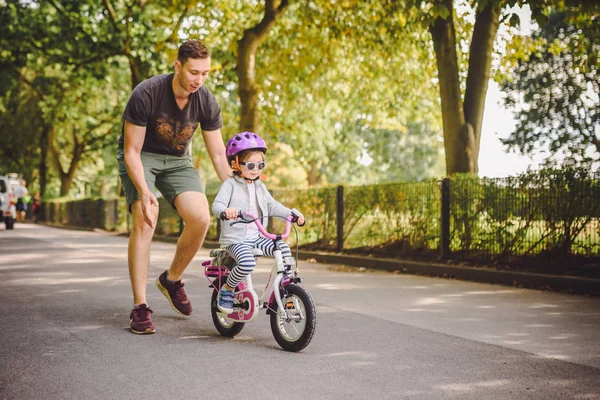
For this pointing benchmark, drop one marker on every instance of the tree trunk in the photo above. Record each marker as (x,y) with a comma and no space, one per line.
(313,173)
(66,178)
(43,165)
(480,63)
(246,57)
(136,75)
(462,122)
(456,139)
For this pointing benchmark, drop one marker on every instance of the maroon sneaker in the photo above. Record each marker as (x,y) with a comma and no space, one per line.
(173,291)
(140,321)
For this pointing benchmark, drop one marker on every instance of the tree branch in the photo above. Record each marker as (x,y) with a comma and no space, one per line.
(71,21)
(112,14)
(174,34)
(54,153)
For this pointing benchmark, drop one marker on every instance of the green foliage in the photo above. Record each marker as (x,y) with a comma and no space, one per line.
(351,72)
(400,216)
(341,83)
(332,75)
(554,92)
(19,133)
(319,207)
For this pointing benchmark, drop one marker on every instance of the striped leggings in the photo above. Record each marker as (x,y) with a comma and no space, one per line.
(245,261)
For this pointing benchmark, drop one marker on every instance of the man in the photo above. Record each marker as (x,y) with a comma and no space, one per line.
(159,121)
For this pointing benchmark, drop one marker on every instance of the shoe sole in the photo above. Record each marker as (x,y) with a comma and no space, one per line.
(225,310)
(166,293)
(146,332)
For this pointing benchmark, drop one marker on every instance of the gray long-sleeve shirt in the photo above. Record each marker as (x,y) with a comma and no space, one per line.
(234,194)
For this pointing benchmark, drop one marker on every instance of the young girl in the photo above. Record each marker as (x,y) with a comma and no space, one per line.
(244,191)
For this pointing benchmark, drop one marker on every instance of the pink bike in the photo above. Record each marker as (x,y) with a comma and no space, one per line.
(290,306)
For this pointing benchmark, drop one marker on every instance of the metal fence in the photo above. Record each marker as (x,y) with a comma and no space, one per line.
(527,215)
(552,214)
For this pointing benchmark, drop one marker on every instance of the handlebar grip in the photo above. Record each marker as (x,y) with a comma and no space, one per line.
(296,215)
(223,216)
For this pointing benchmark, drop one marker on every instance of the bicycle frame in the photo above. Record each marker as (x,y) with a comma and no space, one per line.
(248,301)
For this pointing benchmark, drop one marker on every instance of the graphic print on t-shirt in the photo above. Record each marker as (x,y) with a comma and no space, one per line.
(174,133)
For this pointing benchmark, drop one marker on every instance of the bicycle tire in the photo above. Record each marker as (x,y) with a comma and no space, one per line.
(289,341)
(225,328)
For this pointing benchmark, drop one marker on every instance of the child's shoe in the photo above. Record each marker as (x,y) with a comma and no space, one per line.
(225,301)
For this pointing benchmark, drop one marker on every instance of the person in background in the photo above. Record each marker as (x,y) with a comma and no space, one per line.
(35,206)
(20,193)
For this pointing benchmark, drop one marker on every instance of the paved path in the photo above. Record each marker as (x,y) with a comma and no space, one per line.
(65,301)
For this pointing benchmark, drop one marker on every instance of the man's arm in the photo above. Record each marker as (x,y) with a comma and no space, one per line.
(134,141)
(216,151)
(222,199)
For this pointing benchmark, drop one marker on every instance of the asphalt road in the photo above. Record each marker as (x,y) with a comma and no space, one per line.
(64,315)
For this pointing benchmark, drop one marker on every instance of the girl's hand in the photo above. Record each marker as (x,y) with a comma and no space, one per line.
(231,213)
(297,217)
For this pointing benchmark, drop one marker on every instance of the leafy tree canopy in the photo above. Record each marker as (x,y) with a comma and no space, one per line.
(554,89)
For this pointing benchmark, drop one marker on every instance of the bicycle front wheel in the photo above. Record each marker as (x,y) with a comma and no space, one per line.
(295,332)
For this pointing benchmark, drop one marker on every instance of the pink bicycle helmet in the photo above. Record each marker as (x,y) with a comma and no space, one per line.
(244,141)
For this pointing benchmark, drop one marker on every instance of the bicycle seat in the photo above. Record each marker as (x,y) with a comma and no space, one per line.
(257,252)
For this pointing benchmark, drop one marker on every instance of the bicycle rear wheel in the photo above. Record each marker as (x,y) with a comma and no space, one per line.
(224,325)
(295,332)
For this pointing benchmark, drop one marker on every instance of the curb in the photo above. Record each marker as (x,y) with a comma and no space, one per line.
(570,284)
(556,283)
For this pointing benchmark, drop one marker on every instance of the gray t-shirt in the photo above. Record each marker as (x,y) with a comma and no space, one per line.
(169,129)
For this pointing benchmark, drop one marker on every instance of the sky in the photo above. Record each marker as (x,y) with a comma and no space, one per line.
(498,123)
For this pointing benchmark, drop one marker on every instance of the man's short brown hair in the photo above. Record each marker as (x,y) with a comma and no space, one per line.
(192,49)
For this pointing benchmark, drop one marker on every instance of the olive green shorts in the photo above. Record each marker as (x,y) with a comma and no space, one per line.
(171,175)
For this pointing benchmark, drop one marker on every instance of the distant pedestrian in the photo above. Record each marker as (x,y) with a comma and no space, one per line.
(35,206)
(20,193)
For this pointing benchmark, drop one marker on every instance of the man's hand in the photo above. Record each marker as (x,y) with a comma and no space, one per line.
(149,208)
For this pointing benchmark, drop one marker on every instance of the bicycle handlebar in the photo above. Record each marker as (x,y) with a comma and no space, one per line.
(261,228)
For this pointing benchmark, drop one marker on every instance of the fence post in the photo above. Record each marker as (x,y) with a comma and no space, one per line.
(445,220)
(116,214)
(340,218)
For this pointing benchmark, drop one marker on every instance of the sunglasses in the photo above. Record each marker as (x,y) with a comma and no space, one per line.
(252,165)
